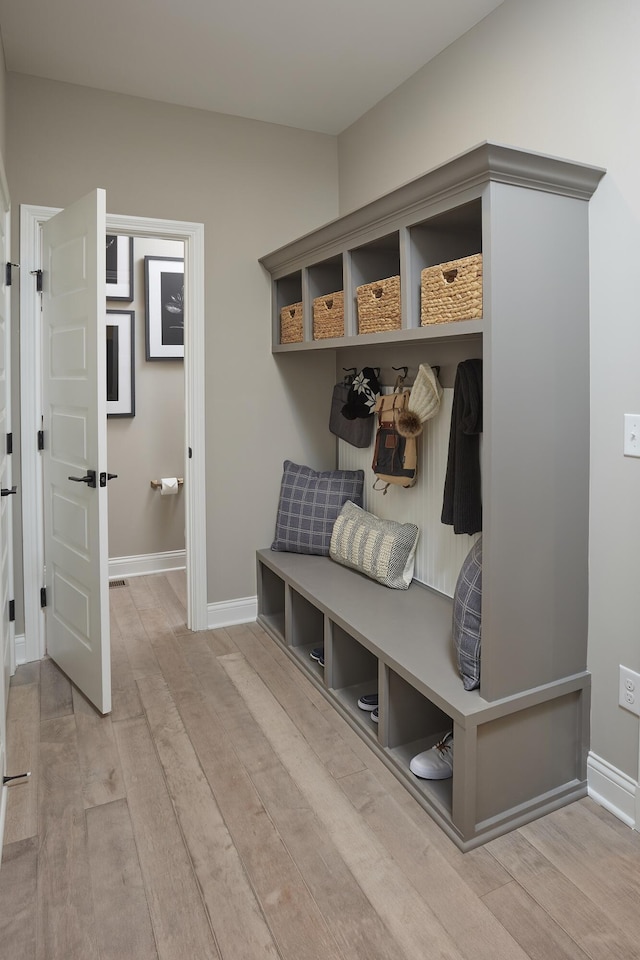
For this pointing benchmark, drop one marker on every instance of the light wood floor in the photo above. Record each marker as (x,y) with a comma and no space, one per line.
(224,810)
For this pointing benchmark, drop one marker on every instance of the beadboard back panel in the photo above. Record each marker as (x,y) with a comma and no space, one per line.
(440,552)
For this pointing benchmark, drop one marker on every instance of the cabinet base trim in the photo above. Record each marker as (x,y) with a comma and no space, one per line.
(612,789)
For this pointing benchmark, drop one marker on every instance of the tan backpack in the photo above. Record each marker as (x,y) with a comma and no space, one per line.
(395,458)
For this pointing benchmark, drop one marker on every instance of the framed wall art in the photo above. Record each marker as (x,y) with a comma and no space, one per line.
(119,268)
(164,301)
(120,363)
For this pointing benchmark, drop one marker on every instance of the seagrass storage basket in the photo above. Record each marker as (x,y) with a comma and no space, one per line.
(328,316)
(452,291)
(291,323)
(379,305)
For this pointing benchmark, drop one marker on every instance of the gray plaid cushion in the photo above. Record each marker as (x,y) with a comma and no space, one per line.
(309,503)
(382,549)
(467,617)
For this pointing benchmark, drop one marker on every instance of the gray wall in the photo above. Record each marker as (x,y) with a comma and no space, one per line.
(558,77)
(254,186)
(3,112)
(151,444)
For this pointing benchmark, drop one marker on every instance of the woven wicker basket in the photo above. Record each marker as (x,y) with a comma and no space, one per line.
(452,291)
(328,316)
(291,323)
(379,306)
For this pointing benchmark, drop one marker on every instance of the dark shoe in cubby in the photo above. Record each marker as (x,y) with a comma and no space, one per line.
(368,702)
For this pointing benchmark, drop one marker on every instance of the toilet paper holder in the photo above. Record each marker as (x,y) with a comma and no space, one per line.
(157,484)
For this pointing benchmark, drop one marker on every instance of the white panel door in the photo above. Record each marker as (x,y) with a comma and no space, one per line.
(6,500)
(75,446)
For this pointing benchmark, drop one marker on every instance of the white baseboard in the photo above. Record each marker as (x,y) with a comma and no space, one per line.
(21,648)
(612,789)
(228,612)
(3,816)
(146,564)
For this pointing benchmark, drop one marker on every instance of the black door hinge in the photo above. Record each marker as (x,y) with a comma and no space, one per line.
(43,596)
(7,272)
(190,453)
(40,439)
(38,275)
(9,443)
(12,611)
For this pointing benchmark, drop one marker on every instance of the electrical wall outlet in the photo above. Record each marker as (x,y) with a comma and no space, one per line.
(629,692)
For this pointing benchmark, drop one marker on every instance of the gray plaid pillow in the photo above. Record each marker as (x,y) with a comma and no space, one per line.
(467,617)
(309,503)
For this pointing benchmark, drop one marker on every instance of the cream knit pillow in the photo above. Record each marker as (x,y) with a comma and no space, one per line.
(382,549)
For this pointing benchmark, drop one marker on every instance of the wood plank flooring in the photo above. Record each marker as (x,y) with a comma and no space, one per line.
(224,811)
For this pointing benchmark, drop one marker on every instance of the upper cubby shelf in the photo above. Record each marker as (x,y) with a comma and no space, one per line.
(385,246)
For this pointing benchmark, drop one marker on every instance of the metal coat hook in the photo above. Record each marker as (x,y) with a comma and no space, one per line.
(406,371)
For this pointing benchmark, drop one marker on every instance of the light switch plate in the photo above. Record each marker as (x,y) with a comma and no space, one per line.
(632,434)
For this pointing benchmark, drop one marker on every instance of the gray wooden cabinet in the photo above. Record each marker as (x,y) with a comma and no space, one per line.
(521,741)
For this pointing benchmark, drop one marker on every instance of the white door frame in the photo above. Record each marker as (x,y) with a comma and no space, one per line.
(8,649)
(192,234)
(5,211)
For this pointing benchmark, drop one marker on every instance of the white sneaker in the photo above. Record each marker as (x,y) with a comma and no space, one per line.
(436,763)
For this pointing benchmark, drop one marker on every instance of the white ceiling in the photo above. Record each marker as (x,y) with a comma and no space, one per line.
(316,65)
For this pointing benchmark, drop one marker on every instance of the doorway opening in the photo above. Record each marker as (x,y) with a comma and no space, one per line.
(192,237)
(145,408)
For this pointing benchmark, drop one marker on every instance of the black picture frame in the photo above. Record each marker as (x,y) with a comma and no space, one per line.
(119,267)
(164,303)
(120,332)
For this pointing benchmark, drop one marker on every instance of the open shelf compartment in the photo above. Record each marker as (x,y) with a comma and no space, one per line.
(305,632)
(410,724)
(353,672)
(271,600)
(451,235)
(287,293)
(325,277)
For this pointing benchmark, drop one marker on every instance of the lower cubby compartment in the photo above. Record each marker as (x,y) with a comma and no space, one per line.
(410,724)
(353,673)
(271,600)
(305,632)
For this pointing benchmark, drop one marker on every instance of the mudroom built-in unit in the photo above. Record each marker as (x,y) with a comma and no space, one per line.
(520,740)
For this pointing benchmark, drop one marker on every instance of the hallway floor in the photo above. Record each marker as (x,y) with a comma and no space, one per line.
(224,811)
